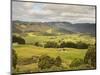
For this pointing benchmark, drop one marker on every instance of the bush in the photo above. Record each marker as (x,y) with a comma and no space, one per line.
(14,58)
(38,44)
(58,61)
(46,62)
(81,45)
(76,62)
(17,39)
(68,44)
(51,44)
(90,57)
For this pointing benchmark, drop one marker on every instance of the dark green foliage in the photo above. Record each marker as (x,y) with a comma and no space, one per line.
(68,44)
(58,61)
(51,44)
(37,44)
(19,40)
(81,45)
(76,62)
(46,62)
(14,59)
(90,57)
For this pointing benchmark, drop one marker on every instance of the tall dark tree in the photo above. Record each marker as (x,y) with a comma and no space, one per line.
(14,58)
(90,57)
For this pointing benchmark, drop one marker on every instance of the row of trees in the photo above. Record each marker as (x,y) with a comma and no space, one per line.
(79,45)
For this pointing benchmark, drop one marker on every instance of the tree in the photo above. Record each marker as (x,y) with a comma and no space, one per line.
(90,57)
(14,58)
(37,44)
(17,39)
(45,62)
(68,44)
(81,45)
(51,44)
(58,61)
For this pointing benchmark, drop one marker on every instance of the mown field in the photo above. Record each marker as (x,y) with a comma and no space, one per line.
(26,52)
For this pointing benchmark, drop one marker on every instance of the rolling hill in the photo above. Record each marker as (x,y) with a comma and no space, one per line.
(53,27)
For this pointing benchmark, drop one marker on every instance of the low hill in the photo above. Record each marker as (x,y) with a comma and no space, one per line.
(53,27)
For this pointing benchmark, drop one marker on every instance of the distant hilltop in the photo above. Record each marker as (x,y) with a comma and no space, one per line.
(54,27)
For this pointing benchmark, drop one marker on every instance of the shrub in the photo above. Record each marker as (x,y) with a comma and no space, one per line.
(58,61)
(76,62)
(38,44)
(51,44)
(17,39)
(90,57)
(68,44)
(81,45)
(14,58)
(45,62)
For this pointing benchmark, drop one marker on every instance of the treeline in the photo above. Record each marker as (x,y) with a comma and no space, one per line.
(17,39)
(69,44)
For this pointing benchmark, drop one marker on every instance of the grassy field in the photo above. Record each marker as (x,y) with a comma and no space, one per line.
(32,38)
(26,51)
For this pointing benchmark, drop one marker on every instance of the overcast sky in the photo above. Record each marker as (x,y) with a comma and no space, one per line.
(41,12)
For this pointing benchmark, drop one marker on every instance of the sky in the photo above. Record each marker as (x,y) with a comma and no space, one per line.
(47,12)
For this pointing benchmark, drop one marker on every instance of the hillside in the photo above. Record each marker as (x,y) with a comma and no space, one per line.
(53,27)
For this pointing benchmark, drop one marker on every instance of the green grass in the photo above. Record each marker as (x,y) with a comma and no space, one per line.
(28,50)
(68,37)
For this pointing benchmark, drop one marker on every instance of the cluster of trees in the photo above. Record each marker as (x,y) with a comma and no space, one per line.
(79,45)
(89,60)
(51,44)
(46,62)
(19,40)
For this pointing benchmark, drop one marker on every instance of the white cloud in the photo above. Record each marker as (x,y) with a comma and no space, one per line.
(29,11)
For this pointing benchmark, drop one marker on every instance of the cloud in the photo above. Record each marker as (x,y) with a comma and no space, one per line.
(30,11)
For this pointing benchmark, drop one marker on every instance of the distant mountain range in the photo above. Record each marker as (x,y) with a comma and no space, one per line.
(53,27)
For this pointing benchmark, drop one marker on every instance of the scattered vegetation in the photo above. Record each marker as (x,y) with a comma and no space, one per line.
(41,53)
